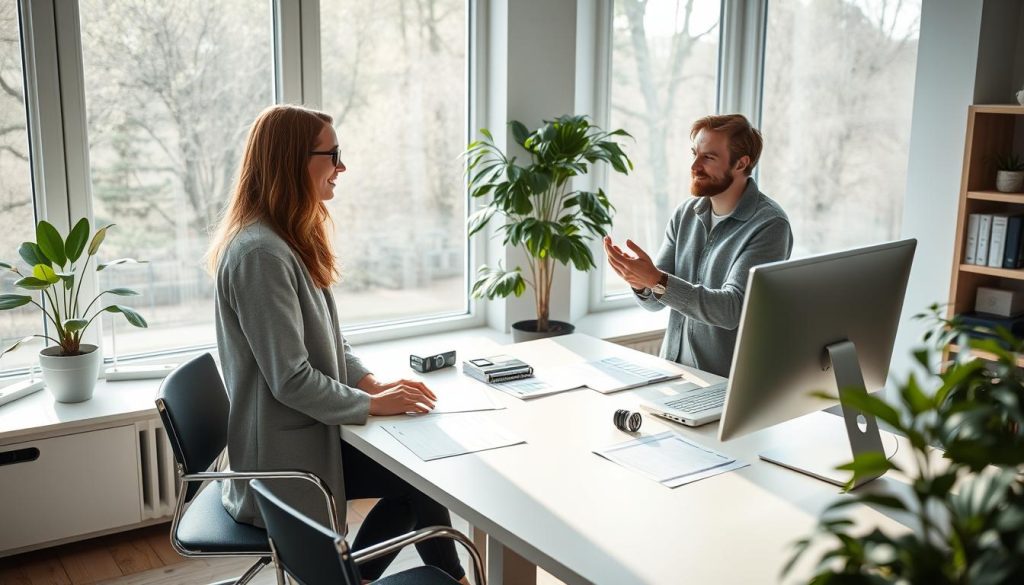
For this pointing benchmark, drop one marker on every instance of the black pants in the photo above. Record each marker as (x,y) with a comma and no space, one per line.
(401,508)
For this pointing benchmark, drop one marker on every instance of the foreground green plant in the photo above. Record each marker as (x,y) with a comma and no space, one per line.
(969,509)
(539,210)
(55,274)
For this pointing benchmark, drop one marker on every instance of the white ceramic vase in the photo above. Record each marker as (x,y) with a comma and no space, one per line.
(71,378)
(1009,181)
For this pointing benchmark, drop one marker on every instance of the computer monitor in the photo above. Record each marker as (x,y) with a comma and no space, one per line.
(816,324)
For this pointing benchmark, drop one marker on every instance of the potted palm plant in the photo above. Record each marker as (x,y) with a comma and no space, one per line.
(57,265)
(969,510)
(541,211)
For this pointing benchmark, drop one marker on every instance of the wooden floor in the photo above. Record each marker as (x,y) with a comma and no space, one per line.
(145,556)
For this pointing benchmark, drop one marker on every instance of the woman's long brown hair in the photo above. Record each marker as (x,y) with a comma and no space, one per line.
(274,187)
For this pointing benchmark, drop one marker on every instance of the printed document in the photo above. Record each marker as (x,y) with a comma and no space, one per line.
(463,394)
(543,383)
(669,459)
(437,437)
(612,374)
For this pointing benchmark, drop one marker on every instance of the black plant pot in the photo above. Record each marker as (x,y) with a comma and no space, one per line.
(527,330)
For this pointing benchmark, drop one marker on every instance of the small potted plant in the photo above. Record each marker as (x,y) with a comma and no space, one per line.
(1009,173)
(541,212)
(70,367)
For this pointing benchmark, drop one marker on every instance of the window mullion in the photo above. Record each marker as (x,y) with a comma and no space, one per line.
(297,52)
(741,57)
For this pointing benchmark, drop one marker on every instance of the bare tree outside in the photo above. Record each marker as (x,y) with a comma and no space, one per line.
(838,94)
(16,198)
(837,98)
(394,78)
(171,89)
(664,76)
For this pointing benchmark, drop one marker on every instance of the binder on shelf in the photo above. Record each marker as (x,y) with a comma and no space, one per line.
(984,229)
(1013,257)
(498,368)
(997,243)
(972,238)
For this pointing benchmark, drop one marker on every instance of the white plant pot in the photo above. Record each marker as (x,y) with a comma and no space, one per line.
(71,378)
(1010,181)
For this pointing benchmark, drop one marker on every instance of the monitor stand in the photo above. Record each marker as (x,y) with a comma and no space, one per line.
(822,446)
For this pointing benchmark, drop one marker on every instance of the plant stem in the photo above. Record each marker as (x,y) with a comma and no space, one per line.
(48,316)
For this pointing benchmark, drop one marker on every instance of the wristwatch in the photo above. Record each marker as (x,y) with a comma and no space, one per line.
(659,288)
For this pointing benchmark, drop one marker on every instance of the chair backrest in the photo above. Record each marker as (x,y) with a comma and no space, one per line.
(310,553)
(193,406)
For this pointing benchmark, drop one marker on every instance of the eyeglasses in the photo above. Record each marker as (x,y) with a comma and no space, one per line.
(332,153)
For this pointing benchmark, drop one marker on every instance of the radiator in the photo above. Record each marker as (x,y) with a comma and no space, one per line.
(647,343)
(160,483)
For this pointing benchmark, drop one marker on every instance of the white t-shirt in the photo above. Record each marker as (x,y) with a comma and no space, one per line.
(717,219)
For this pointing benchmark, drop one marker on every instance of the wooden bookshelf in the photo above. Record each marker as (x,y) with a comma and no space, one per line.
(991,130)
(953,348)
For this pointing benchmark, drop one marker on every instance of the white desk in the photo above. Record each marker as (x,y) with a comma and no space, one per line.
(585,519)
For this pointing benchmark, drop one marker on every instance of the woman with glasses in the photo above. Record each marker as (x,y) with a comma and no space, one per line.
(291,376)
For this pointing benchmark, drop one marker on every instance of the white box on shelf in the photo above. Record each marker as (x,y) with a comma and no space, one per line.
(997,301)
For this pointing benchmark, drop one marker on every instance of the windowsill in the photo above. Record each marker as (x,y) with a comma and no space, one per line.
(124,402)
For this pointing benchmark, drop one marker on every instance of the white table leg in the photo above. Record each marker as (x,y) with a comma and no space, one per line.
(505,567)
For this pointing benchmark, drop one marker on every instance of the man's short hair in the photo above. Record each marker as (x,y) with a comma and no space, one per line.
(744,139)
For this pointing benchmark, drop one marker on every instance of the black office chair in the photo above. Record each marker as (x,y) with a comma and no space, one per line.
(313,555)
(193,405)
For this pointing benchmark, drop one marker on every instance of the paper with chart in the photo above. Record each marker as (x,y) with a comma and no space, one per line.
(669,459)
(542,383)
(437,437)
(612,374)
(463,394)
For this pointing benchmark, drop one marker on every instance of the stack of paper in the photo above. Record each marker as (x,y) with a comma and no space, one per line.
(437,437)
(612,374)
(669,459)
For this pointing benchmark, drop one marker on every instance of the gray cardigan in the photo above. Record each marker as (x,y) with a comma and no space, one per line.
(708,274)
(288,372)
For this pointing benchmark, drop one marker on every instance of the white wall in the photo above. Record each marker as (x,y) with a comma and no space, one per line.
(947,58)
(969,52)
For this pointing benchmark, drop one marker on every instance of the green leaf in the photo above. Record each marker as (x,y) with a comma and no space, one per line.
(44,272)
(98,238)
(32,283)
(7,266)
(16,344)
(32,255)
(72,325)
(129,313)
(868,404)
(867,464)
(106,265)
(123,292)
(519,132)
(11,301)
(495,283)
(51,243)
(75,243)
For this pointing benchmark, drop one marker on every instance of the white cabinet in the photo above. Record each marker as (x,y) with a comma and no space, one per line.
(70,485)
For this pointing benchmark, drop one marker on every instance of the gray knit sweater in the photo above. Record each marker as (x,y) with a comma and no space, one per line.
(708,271)
(288,370)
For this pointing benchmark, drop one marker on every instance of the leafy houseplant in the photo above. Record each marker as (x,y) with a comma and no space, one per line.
(70,367)
(1009,173)
(970,509)
(541,211)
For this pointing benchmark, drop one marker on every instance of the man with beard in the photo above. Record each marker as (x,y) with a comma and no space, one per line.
(711,243)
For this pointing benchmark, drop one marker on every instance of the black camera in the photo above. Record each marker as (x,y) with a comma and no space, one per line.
(432,362)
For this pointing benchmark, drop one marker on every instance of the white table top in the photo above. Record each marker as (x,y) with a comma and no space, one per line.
(586,519)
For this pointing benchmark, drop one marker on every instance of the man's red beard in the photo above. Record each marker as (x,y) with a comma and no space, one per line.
(709,186)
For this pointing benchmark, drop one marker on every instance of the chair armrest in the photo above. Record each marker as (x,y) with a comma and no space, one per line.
(399,542)
(332,510)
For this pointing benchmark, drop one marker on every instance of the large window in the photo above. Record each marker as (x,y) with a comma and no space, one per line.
(838,92)
(171,88)
(664,76)
(395,80)
(16,201)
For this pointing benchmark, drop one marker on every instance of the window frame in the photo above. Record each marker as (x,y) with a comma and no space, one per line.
(55,103)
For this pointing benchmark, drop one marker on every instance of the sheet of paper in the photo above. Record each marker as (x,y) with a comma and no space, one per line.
(612,374)
(551,381)
(463,394)
(436,437)
(669,459)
